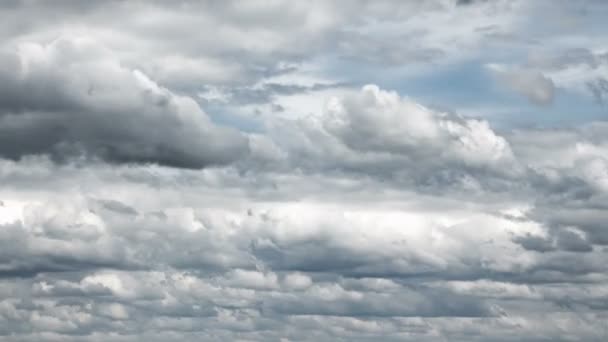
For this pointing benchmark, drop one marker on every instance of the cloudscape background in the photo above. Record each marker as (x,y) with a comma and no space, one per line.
(272,170)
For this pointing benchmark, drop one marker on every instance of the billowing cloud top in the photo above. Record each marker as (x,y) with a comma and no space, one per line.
(303,171)
(72,96)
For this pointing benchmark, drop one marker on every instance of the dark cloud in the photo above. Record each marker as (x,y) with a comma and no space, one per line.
(573,242)
(599,88)
(535,243)
(69,98)
(468,2)
(562,239)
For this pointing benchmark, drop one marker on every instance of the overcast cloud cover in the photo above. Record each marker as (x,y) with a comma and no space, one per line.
(273,170)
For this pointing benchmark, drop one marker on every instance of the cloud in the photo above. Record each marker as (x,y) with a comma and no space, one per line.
(205,262)
(220,171)
(468,2)
(71,98)
(577,69)
(536,87)
(261,244)
(378,133)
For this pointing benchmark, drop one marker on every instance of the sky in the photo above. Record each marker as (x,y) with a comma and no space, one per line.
(317,170)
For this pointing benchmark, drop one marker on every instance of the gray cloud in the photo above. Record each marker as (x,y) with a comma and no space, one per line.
(599,88)
(71,97)
(212,264)
(535,243)
(587,69)
(320,209)
(532,84)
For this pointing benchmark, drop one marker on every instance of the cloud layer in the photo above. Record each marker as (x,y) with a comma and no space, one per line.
(227,171)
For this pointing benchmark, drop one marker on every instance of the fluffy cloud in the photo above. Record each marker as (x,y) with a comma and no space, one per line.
(71,97)
(382,135)
(205,266)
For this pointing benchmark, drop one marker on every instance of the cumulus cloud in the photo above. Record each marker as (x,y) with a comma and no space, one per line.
(200,265)
(71,97)
(380,134)
(380,121)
